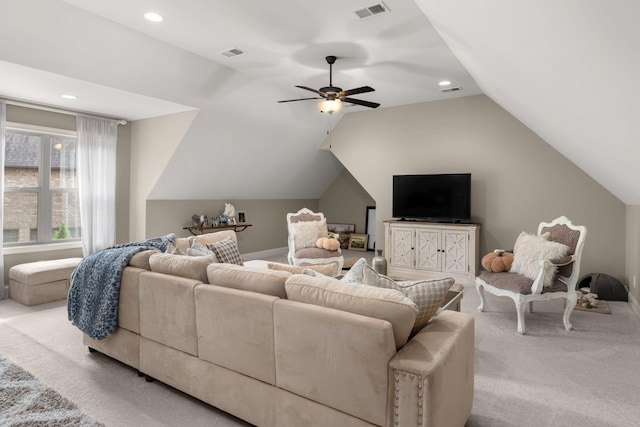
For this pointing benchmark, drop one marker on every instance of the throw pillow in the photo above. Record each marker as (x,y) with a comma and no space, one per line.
(530,249)
(226,251)
(198,249)
(325,269)
(428,295)
(172,248)
(355,273)
(306,234)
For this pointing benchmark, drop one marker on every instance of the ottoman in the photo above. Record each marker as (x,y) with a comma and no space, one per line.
(42,281)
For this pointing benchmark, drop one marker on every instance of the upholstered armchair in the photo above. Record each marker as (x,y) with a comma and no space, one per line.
(305,228)
(545,266)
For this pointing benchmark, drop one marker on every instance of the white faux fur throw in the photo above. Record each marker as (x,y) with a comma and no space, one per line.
(530,249)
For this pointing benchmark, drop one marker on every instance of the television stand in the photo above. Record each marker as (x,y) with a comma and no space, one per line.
(432,250)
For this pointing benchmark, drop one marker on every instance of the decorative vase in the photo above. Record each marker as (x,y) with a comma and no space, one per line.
(379,262)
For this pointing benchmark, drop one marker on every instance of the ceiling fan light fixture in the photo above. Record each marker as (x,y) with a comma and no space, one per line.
(330,106)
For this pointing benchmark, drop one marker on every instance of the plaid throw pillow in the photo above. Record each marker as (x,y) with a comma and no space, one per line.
(428,295)
(226,251)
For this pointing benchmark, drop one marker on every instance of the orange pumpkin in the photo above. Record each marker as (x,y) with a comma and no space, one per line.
(328,243)
(497,261)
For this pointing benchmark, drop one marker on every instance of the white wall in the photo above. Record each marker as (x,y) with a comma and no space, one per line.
(518,180)
(632,252)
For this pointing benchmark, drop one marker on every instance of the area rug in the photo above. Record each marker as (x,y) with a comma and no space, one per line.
(602,307)
(25,401)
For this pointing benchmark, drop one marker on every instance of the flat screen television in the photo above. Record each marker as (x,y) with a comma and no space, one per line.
(433,197)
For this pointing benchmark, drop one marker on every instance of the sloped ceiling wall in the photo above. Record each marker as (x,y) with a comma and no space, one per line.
(215,159)
(566,69)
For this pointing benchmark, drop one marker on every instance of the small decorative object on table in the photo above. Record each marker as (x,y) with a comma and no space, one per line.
(223,218)
(231,220)
(195,220)
(379,263)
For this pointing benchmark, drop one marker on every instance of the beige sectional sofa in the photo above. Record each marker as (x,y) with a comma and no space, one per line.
(264,346)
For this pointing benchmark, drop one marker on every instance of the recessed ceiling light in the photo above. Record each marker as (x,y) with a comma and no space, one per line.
(444,83)
(66,96)
(153,17)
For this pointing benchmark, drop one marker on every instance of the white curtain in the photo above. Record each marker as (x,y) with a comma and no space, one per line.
(4,290)
(97,143)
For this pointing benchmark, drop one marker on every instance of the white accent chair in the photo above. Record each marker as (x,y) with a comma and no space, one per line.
(523,290)
(306,253)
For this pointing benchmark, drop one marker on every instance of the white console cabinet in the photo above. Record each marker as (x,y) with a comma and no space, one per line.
(427,250)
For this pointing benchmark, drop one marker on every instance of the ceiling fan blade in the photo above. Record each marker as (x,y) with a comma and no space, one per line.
(322,94)
(361,102)
(363,89)
(299,99)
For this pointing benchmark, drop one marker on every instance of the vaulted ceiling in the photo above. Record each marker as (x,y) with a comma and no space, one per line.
(564,69)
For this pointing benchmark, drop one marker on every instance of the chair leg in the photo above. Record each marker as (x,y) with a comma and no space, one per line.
(569,305)
(480,290)
(520,308)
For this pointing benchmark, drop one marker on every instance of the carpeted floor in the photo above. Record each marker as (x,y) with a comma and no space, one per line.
(550,377)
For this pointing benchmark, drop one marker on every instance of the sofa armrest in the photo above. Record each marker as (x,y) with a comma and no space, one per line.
(432,375)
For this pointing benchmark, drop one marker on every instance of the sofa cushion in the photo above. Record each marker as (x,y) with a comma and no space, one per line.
(379,303)
(269,282)
(427,294)
(141,259)
(209,238)
(192,267)
(178,246)
(330,269)
(226,251)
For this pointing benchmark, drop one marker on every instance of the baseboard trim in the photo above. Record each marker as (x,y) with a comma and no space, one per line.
(265,254)
(635,306)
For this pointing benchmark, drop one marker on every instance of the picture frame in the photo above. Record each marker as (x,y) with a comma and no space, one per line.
(343,231)
(358,242)
(242,217)
(371,227)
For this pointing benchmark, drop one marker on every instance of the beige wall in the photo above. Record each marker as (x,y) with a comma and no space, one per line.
(153,142)
(518,180)
(345,202)
(268,219)
(632,256)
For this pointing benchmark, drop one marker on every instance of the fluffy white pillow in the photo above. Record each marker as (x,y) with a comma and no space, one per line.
(530,249)
(306,233)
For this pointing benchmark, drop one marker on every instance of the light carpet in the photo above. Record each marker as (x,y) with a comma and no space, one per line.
(549,377)
(25,401)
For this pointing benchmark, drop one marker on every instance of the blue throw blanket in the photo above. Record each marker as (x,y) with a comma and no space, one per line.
(95,286)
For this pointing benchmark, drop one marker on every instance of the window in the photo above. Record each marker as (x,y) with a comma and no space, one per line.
(40,185)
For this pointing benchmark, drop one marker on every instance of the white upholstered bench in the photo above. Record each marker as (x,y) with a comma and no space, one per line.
(42,281)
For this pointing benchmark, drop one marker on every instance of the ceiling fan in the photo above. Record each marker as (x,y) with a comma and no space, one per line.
(333,97)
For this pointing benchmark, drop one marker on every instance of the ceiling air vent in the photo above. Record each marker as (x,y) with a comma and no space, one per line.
(376,9)
(451,89)
(232,52)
